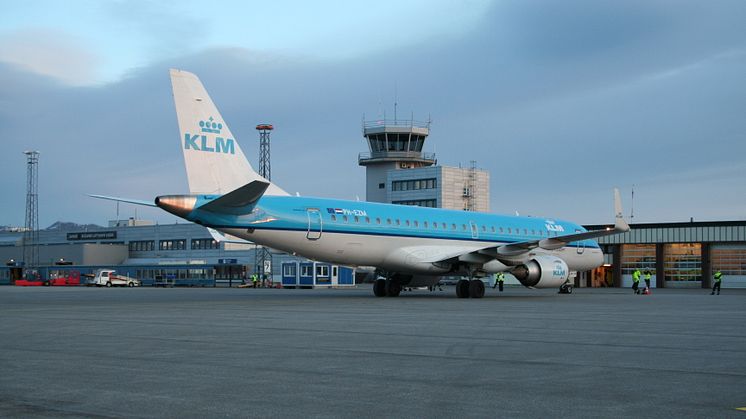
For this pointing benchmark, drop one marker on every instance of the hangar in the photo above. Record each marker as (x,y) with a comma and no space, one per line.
(679,255)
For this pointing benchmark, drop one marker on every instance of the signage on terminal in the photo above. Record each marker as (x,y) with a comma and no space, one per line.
(93,235)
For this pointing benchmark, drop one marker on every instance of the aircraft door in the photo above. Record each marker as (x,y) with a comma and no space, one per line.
(314,224)
(474,230)
(581,245)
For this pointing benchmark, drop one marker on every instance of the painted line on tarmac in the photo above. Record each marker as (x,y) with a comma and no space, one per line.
(743,409)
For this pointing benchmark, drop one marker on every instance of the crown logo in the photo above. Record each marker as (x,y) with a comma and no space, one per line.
(210,126)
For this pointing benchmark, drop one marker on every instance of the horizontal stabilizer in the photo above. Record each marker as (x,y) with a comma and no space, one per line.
(127,200)
(237,202)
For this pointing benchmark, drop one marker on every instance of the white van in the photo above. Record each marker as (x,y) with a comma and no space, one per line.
(109,278)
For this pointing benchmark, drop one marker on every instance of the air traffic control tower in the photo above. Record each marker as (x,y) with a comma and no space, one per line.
(394,144)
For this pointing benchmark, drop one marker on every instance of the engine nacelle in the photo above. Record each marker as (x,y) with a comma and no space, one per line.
(542,272)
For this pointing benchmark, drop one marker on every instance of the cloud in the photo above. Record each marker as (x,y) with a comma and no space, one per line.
(51,53)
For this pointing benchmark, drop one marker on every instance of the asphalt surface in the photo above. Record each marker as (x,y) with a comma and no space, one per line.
(95,352)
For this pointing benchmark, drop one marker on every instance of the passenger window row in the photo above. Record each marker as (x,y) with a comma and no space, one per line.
(442,226)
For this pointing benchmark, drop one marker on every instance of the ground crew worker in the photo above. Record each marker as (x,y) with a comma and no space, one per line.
(718,279)
(648,275)
(499,279)
(636,281)
(254,280)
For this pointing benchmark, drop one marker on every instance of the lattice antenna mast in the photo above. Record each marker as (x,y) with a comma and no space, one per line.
(265,167)
(31,231)
(263,259)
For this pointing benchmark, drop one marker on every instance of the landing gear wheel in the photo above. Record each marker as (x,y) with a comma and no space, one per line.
(476,288)
(393,287)
(565,289)
(379,288)
(462,288)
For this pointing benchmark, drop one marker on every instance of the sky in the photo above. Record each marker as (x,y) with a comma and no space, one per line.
(559,101)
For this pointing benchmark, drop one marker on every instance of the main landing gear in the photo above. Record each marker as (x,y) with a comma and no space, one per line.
(470,288)
(390,287)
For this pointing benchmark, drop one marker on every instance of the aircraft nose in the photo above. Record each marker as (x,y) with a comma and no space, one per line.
(180,205)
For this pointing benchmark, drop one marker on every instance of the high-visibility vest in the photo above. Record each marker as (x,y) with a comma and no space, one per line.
(254,278)
(500,276)
(647,276)
(636,276)
(718,276)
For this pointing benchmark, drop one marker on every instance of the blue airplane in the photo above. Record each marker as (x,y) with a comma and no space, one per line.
(411,246)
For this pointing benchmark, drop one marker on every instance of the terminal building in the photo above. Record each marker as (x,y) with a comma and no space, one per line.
(185,254)
(397,171)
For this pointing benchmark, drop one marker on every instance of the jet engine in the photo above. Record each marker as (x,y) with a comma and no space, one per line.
(542,272)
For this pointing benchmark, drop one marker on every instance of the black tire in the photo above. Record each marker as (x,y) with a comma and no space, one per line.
(393,287)
(130,284)
(476,288)
(379,288)
(569,290)
(462,288)
(108,285)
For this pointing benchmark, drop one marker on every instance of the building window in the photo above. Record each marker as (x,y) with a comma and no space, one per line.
(381,185)
(142,246)
(306,270)
(288,269)
(322,270)
(178,244)
(638,256)
(683,262)
(413,185)
(431,203)
(731,261)
(205,244)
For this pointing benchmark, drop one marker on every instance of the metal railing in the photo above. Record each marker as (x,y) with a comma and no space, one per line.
(405,123)
(396,155)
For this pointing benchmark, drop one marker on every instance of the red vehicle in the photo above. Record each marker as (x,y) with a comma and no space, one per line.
(64,278)
(57,278)
(31,279)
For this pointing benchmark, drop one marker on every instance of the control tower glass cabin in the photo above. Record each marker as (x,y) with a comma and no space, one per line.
(393,145)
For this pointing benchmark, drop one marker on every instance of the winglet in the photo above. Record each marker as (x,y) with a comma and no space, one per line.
(619,223)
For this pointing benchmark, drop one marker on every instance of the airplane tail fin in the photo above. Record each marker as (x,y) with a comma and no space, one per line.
(215,163)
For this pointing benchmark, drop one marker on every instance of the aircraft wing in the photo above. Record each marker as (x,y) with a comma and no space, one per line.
(551,243)
(127,200)
(225,238)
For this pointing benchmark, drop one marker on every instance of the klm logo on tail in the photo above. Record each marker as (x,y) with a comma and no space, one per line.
(203,142)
